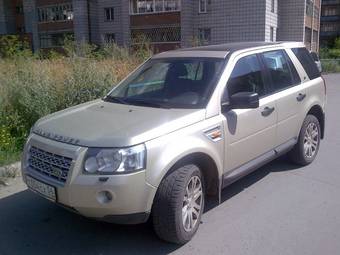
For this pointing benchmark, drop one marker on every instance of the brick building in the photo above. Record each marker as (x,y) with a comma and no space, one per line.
(167,24)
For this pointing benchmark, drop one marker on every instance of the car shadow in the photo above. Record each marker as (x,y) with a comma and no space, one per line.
(32,225)
(281,164)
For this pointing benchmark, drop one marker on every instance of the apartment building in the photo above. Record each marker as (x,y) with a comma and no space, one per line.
(167,24)
(11,17)
(330,21)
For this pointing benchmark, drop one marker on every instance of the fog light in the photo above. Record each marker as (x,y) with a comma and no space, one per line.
(104,197)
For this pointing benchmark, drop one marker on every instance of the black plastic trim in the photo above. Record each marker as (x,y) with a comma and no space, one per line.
(249,167)
(126,219)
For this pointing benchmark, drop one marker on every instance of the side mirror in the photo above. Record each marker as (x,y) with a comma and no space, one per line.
(244,100)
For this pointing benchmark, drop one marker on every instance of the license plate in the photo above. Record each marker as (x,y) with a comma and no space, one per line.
(46,190)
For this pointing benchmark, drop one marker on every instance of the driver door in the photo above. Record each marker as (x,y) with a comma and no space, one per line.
(249,133)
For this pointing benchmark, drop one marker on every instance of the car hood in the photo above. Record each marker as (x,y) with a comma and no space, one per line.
(104,124)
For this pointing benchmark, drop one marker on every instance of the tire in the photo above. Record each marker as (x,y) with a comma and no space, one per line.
(171,198)
(298,154)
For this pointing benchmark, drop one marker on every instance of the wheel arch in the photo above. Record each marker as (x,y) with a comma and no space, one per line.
(316,110)
(208,167)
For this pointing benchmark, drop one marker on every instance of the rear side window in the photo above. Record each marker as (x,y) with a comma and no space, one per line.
(279,69)
(247,77)
(307,62)
(295,75)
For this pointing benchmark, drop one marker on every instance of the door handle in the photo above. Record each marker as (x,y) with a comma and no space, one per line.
(300,97)
(267,111)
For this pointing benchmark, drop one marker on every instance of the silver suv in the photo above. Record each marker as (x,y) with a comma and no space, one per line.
(181,127)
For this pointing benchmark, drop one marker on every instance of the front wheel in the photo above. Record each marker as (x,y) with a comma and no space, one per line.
(308,144)
(179,204)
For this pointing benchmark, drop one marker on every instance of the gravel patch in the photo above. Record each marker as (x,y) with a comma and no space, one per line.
(8,173)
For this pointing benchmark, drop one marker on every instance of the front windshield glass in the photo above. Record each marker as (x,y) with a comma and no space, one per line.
(170,83)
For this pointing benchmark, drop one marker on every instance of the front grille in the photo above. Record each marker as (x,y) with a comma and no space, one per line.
(52,165)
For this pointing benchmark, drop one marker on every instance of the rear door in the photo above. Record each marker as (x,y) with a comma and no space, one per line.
(286,87)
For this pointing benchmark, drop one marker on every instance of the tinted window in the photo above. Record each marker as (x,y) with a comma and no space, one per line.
(175,83)
(246,77)
(307,62)
(295,74)
(279,70)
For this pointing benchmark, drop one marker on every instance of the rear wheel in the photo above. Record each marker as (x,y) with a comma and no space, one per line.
(179,204)
(308,144)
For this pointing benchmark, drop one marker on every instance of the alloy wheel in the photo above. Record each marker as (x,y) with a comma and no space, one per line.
(311,140)
(192,203)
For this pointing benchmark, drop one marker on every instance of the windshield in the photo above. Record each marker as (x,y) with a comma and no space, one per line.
(170,83)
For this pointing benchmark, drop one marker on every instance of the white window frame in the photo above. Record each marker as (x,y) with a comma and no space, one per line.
(200,6)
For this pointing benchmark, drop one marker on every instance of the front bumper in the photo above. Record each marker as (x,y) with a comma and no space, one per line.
(131,196)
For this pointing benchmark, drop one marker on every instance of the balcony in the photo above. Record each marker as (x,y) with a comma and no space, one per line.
(142,7)
(159,21)
(330,18)
(330,2)
(330,33)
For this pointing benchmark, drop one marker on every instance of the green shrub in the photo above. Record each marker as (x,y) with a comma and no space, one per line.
(12,46)
(32,87)
(332,52)
(330,65)
(324,53)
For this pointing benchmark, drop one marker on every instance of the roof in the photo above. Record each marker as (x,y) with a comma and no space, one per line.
(231,47)
(222,50)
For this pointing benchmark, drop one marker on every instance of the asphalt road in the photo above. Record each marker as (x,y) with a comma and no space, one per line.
(279,209)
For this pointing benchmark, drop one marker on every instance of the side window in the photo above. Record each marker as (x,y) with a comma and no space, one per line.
(307,62)
(246,77)
(279,69)
(295,74)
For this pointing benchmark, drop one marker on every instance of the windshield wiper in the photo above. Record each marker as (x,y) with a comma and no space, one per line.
(134,101)
(112,99)
(142,102)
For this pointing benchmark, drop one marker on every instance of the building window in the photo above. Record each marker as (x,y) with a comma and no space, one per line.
(316,12)
(53,40)
(202,6)
(154,6)
(315,36)
(331,11)
(273,6)
(157,35)
(309,8)
(20,30)
(271,34)
(330,27)
(110,38)
(204,35)
(109,14)
(19,9)
(308,35)
(60,12)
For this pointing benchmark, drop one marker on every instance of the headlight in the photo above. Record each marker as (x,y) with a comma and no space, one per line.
(115,161)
